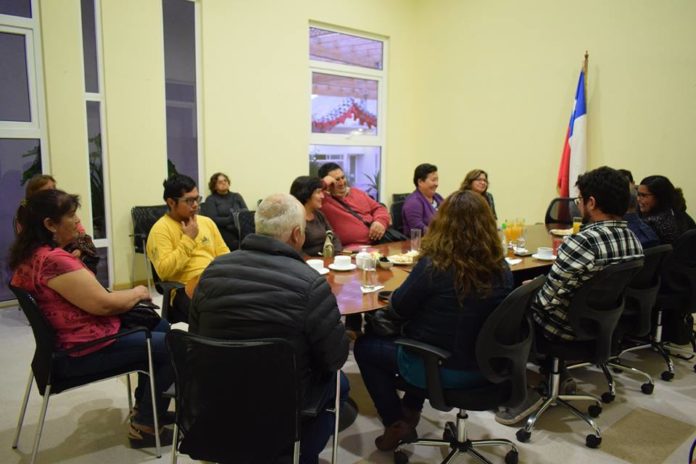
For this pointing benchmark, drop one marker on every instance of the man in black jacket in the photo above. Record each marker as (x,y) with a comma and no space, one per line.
(265,289)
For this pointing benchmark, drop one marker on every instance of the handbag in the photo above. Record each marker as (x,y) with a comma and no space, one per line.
(142,314)
(390,235)
(384,323)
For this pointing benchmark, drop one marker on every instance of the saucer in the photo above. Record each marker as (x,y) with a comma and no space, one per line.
(350,267)
(543,258)
(322,271)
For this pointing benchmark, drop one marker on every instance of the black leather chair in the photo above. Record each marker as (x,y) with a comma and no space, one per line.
(395,210)
(399,197)
(244,222)
(594,311)
(502,350)
(561,211)
(49,380)
(635,323)
(238,400)
(144,217)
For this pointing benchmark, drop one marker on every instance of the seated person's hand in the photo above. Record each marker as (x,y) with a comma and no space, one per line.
(328,182)
(377,230)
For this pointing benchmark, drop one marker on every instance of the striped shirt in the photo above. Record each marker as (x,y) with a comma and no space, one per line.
(595,247)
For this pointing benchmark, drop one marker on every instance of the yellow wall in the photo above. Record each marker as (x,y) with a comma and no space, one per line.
(470,84)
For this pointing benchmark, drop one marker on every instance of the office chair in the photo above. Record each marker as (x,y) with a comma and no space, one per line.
(399,197)
(502,350)
(239,400)
(397,220)
(244,222)
(593,314)
(561,211)
(144,217)
(50,382)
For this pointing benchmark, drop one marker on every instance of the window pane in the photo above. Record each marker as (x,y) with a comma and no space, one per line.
(14,83)
(180,88)
(16,8)
(336,47)
(360,164)
(343,105)
(20,159)
(89,46)
(96,169)
(103,267)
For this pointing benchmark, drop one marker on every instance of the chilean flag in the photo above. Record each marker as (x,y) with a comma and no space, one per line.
(574,157)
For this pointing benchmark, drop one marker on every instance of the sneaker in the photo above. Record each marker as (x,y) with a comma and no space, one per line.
(511,416)
(398,432)
(143,436)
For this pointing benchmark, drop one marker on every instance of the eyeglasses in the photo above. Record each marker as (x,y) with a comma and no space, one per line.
(481,179)
(191,200)
(577,200)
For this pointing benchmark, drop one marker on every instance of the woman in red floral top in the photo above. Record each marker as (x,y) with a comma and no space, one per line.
(81,310)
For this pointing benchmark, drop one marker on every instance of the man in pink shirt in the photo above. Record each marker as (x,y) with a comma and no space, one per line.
(356,218)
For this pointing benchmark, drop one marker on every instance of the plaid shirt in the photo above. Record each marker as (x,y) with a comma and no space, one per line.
(595,247)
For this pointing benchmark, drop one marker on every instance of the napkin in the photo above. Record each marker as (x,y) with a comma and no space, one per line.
(375,289)
(513,261)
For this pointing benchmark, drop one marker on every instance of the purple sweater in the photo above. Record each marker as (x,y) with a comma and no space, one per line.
(418,211)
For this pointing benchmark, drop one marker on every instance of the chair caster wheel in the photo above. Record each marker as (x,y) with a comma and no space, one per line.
(593,441)
(647,388)
(594,411)
(607,397)
(400,457)
(512,457)
(523,436)
(616,370)
(667,376)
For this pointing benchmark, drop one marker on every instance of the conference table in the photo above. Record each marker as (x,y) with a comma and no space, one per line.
(345,285)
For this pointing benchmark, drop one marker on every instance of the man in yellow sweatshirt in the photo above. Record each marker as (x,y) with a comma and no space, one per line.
(181,244)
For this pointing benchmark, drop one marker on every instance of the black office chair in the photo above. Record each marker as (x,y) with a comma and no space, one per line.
(237,400)
(561,211)
(502,350)
(144,217)
(399,197)
(635,323)
(50,382)
(397,220)
(593,314)
(166,288)
(244,222)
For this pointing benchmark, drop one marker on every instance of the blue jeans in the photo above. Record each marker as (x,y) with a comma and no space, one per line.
(316,431)
(127,350)
(377,360)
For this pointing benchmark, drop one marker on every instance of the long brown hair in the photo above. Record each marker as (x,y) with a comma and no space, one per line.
(471,176)
(463,238)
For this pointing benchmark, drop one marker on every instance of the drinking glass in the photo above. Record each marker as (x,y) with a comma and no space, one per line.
(415,239)
(577,222)
(368,279)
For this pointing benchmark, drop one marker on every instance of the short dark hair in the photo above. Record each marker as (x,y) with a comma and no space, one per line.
(422,172)
(663,190)
(303,187)
(628,174)
(608,187)
(213,180)
(177,185)
(326,168)
(36,183)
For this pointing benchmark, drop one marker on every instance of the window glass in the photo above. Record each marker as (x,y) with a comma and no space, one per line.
(180,86)
(20,159)
(343,105)
(16,8)
(336,47)
(96,169)
(103,266)
(89,47)
(14,82)
(361,165)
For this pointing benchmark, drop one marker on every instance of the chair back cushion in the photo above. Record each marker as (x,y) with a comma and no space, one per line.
(397,220)
(561,211)
(236,401)
(244,221)
(679,273)
(144,217)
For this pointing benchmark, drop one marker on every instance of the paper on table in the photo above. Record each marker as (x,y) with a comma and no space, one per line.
(372,290)
(513,261)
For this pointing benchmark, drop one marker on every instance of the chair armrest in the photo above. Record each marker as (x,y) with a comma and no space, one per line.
(432,360)
(166,287)
(317,397)
(84,346)
(423,349)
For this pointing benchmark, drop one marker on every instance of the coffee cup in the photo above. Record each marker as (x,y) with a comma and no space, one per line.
(545,252)
(316,264)
(341,261)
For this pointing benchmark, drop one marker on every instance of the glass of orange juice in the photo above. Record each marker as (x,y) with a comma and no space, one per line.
(577,222)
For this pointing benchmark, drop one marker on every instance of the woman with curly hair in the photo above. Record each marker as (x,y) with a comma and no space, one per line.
(221,205)
(459,280)
(476,180)
(663,208)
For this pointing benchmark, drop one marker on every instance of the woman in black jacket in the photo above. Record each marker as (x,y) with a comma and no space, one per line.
(221,205)
(459,280)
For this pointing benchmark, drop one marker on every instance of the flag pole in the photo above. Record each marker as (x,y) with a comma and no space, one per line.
(584,69)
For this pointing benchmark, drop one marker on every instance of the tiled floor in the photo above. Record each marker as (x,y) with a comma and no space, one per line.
(88,425)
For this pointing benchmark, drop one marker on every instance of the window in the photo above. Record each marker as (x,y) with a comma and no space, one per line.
(22,133)
(181,87)
(347,122)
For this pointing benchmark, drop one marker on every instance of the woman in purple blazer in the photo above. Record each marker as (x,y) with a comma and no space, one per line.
(421,205)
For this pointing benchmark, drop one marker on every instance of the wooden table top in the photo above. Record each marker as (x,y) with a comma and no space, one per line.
(346,285)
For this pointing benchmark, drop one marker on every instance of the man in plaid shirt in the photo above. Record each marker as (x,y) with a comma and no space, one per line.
(603,240)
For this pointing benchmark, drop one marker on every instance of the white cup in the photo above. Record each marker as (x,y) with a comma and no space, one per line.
(545,252)
(317,264)
(341,261)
